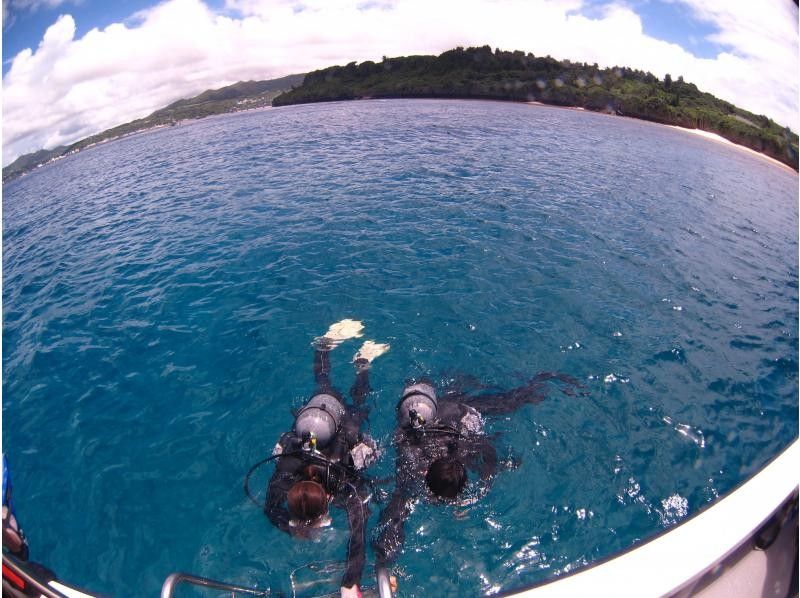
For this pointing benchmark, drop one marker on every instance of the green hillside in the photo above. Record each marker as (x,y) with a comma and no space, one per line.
(516,76)
(239,96)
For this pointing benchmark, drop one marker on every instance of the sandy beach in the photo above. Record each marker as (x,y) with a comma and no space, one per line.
(720,139)
(699,132)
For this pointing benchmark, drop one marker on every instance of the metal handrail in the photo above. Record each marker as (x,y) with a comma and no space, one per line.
(176,579)
(17,567)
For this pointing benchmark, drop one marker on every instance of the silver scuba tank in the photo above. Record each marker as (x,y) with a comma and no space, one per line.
(320,418)
(418,405)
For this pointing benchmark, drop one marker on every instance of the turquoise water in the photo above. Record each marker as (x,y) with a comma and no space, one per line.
(160,294)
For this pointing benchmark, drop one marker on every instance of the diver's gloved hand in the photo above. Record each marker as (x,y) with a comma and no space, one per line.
(365,453)
(387,584)
(354,592)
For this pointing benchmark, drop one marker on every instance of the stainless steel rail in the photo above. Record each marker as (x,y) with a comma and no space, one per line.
(176,579)
(18,569)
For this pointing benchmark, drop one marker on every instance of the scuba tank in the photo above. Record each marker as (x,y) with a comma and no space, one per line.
(418,406)
(319,419)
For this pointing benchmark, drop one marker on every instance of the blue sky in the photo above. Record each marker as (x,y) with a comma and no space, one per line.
(670,21)
(104,63)
(24,25)
(25,22)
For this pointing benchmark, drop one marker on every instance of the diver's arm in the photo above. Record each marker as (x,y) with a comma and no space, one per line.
(282,479)
(357,513)
(390,541)
(481,457)
(274,507)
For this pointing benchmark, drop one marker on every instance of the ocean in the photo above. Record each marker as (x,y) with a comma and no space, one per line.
(161,293)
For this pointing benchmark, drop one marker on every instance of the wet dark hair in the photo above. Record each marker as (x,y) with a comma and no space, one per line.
(446,477)
(307,500)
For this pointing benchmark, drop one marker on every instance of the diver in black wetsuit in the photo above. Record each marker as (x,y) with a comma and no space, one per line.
(320,460)
(437,441)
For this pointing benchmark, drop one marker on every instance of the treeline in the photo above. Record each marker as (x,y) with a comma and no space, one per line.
(239,96)
(517,76)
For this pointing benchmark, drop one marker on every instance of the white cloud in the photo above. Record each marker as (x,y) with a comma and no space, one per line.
(763,62)
(12,7)
(69,88)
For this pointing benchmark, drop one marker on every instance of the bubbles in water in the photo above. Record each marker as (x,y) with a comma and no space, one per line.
(488,587)
(529,553)
(674,508)
(493,524)
(693,434)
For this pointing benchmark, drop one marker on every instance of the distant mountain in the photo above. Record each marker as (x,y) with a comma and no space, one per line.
(516,76)
(239,96)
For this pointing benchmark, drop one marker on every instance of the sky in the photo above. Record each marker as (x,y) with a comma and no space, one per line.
(72,68)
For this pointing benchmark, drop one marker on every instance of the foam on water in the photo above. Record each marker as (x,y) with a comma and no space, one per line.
(161,292)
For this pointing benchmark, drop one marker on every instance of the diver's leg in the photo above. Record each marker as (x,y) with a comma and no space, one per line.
(361,386)
(358,412)
(336,334)
(362,360)
(533,392)
(322,368)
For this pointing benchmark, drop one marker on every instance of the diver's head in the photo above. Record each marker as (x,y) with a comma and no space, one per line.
(417,406)
(307,501)
(446,477)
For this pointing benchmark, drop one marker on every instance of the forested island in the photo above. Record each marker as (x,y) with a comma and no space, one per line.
(474,73)
(244,95)
(517,76)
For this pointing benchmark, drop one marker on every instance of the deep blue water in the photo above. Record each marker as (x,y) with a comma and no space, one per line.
(160,294)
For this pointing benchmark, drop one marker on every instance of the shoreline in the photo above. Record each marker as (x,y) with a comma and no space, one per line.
(720,139)
(698,132)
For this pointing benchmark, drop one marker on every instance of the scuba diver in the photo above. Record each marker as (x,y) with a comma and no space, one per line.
(319,460)
(438,440)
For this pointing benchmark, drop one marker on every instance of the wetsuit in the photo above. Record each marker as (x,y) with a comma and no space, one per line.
(342,481)
(457,432)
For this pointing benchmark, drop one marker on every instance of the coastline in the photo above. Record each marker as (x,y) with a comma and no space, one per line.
(143,131)
(720,139)
(698,132)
